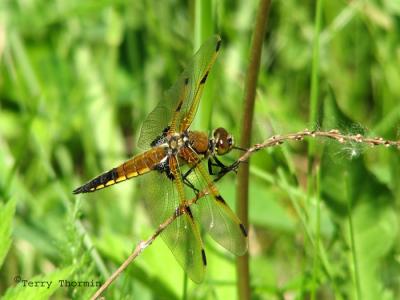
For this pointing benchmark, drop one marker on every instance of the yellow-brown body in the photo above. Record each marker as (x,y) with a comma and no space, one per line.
(152,159)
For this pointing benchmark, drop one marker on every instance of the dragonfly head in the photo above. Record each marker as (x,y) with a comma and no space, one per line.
(223,141)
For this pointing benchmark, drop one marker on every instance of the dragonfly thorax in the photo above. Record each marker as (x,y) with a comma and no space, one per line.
(175,143)
(198,141)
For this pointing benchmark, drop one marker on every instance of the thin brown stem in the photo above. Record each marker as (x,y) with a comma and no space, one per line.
(331,134)
(243,174)
(334,134)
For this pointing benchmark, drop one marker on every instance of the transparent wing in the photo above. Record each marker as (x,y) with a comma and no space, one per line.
(155,123)
(161,199)
(197,73)
(216,216)
(181,101)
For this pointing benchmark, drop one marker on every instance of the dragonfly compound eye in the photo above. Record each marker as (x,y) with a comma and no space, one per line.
(223,141)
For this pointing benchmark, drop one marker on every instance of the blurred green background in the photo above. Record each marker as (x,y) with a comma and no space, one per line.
(77,78)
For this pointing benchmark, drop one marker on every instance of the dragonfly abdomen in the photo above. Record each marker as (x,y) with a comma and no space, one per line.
(141,163)
(138,165)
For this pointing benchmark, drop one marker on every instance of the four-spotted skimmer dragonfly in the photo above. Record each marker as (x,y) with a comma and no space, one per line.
(174,165)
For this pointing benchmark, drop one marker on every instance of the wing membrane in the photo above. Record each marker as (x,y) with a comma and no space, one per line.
(182,100)
(216,216)
(154,125)
(198,72)
(161,199)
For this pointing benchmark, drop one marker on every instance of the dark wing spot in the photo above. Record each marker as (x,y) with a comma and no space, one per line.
(203,255)
(218,46)
(186,81)
(189,212)
(203,80)
(179,106)
(220,199)
(244,231)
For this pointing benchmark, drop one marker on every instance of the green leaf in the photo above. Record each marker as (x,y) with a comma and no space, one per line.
(6,215)
(375,229)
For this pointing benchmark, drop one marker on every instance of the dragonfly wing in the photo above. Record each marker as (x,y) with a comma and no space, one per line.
(196,75)
(181,101)
(161,199)
(155,124)
(183,239)
(216,216)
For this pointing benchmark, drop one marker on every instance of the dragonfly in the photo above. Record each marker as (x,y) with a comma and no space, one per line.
(178,161)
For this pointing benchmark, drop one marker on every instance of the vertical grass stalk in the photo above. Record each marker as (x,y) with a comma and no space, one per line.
(245,137)
(185,286)
(313,114)
(204,24)
(352,240)
(313,117)
(317,236)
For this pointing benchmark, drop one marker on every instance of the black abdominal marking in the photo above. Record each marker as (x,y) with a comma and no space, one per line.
(99,180)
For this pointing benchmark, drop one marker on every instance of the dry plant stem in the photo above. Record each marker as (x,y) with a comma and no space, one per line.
(271,142)
(331,134)
(243,277)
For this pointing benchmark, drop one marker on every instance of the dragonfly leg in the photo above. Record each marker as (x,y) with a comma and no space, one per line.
(187,182)
(212,164)
(223,168)
(233,167)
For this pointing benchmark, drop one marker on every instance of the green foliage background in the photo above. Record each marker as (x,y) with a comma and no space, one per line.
(77,78)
